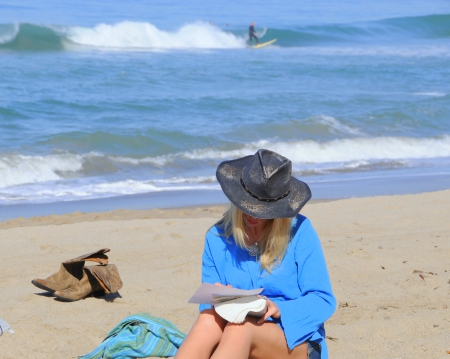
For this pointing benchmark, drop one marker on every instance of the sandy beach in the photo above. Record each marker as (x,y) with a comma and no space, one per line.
(388,257)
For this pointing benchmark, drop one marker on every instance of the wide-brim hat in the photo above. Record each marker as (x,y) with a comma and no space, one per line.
(262,185)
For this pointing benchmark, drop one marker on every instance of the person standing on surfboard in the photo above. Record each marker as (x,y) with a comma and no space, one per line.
(252,33)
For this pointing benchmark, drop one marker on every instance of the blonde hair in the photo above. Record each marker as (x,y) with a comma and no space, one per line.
(273,242)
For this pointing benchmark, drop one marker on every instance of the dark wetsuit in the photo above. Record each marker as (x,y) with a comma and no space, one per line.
(252,34)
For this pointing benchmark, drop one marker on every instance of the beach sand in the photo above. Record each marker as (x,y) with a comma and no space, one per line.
(388,258)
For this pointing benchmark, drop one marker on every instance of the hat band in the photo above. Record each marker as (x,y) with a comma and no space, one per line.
(262,198)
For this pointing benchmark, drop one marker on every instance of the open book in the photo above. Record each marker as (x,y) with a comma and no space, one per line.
(230,303)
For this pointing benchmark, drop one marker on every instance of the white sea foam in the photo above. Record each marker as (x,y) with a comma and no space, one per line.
(432,94)
(77,190)
(8,33)
(159,161)
(365,149)
(196,179)
(307,155)
(143,35)
(262,32)
(134,186)
(308,151)
(341,150)
(20,169)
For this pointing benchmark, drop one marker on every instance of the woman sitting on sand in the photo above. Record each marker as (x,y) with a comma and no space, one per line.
(262,242)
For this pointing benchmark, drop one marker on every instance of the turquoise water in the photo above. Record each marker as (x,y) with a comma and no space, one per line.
(104,101)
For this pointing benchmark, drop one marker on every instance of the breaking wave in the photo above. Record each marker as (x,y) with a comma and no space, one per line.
(128,35)
(306,155)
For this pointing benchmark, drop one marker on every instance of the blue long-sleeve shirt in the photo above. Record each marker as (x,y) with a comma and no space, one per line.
(299,285)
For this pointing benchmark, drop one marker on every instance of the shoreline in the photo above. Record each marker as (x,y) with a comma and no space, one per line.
(323,188)
(212,210)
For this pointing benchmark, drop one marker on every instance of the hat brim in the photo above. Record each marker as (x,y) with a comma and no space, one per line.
(229,176)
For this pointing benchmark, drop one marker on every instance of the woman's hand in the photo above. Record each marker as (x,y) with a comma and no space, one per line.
(221,285)
(272,310)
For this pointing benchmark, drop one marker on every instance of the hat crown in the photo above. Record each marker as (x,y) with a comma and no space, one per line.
(268,174)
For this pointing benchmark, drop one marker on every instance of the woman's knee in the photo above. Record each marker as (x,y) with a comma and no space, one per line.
(248,326)
(209,320)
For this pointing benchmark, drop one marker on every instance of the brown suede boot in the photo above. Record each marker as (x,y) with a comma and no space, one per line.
(107,276)
(95,278)
(71,272)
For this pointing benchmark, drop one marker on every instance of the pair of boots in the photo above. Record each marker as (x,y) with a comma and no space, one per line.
(74,281)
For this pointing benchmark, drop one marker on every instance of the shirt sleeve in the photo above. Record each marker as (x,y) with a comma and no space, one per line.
(303,318)
(209,269)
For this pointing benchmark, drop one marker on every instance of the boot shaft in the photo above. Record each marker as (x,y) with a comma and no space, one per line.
(70,272)
(107,277)
(95,278)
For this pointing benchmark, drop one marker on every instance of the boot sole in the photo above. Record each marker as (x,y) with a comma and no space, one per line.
(40,286)
(66,299)
(97,294)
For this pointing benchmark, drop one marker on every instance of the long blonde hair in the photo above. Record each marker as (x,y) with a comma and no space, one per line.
(273,242)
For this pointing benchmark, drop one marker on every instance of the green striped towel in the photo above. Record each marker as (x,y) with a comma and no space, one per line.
(139,336)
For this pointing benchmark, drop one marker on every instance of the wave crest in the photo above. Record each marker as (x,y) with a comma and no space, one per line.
(306,155)
(129,34)
(123,35)
(21,169)
(203,35)
(341,150)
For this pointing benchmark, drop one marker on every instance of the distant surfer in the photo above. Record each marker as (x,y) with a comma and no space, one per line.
(252,33)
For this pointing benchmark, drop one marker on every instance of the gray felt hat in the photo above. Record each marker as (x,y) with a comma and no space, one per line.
(262,185)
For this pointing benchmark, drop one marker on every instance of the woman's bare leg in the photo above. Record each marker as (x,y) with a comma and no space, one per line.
(203,337)
(256,341)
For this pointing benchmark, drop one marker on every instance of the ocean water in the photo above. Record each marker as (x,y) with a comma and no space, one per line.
(130,98)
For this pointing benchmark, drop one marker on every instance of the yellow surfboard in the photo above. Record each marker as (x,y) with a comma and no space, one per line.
(264,44)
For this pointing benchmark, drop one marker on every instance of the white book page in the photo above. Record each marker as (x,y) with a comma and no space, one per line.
(206,291)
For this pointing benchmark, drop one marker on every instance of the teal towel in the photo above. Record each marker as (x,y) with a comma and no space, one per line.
(139,336)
